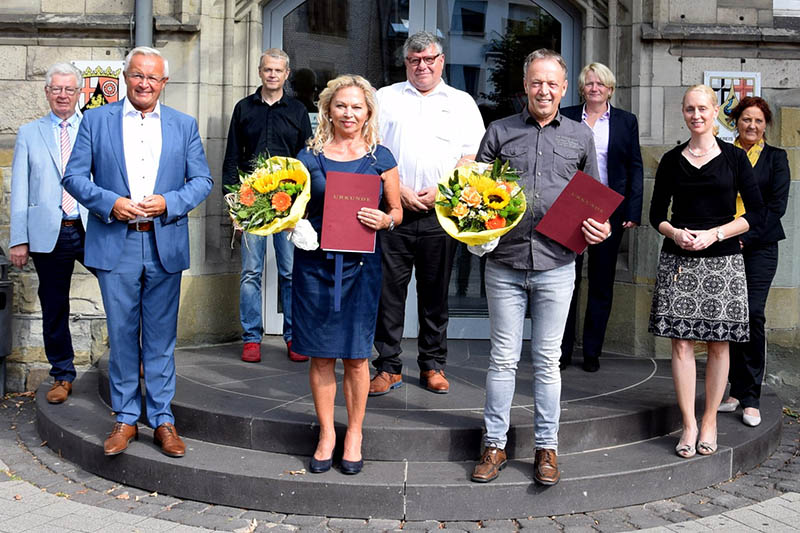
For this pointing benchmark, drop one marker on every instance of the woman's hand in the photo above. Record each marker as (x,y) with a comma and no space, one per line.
(701,239)
(374,219)
(683,238)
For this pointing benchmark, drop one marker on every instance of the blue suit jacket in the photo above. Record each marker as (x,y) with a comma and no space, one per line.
(625,173)
(36,188)
(183,179)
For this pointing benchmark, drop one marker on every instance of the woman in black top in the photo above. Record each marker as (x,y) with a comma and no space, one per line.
(700,291)
(760,251)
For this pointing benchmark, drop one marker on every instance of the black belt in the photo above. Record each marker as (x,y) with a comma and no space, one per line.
(141,225)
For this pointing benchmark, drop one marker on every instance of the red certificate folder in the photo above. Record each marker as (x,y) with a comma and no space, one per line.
(583,197)
(345,194)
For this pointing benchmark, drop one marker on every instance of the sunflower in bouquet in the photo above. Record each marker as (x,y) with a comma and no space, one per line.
(480,202)
(272,198)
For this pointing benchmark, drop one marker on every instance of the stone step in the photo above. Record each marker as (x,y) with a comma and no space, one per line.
(268,406)
(602,478)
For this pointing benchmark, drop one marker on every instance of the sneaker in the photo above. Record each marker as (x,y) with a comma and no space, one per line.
(251,352)
(294,356)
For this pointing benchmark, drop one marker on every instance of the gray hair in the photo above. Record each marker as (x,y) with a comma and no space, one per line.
(420,41)
(65,69)
(145,51)
(543,53)
(274,53)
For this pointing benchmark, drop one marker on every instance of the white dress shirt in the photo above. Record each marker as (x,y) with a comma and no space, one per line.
(72,130)
(601,133)
(141,139)
(428,134)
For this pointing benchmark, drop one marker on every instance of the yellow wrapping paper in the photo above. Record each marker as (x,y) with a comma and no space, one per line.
(472,238)
(296,211)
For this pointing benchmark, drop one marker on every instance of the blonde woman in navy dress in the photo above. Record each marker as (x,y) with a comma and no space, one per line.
(346,140)
(701,291)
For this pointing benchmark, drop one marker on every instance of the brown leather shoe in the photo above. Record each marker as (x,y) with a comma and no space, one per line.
(59,391)
(117,442)
(383,382)
(545,467)
(167,437)
(434,381)
(491,463)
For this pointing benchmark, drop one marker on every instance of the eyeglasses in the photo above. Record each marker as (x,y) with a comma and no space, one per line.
(139,78)
(57,90)
(415,61)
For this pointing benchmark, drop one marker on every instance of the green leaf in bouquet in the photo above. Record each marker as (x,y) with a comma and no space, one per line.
(446,192)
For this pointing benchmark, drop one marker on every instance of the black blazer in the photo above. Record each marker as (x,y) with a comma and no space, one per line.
(772,175)
(624,160)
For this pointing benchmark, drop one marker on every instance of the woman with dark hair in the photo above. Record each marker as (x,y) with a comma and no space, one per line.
(760,251)
(701,289)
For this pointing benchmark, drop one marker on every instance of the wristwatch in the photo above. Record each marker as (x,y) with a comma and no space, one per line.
(391,223)
(720,235)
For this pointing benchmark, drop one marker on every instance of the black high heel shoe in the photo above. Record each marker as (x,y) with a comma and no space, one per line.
(318,466)
(352,467)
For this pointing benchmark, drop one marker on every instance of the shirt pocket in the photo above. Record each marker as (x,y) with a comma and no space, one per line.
(565,162)
(517,156)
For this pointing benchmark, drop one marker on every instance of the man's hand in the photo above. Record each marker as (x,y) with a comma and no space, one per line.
(153,205)
(410,200)
(594,232)
(125,209)
(629,225)
(19,255)
(427,197)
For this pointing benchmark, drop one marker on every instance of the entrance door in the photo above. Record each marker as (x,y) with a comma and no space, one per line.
(485,46)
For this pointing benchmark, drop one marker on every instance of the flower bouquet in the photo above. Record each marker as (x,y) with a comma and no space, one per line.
(480,202)
(272,198)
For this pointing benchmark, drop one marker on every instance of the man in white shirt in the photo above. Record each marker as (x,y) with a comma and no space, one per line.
(149,171)
(430,128)
(46,222)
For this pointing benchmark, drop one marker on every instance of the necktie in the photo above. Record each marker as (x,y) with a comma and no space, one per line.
(67,201)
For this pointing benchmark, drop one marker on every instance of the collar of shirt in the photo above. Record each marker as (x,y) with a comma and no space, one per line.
(257,99)
(527,118)
(72,121)
(440,89)
(128,109)
(604,116)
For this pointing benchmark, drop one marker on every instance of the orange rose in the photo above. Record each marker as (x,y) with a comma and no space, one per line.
(471,197)
(281,201)
(460,210)
(496,223)
(246,195)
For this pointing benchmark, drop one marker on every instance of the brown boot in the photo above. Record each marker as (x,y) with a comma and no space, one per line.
(59,391)
(491,463)
(545,467)
(434,381)
(117,442)
(167,437)
(383,382)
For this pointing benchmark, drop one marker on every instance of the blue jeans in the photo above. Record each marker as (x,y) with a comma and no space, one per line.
(547,295)
(254,249)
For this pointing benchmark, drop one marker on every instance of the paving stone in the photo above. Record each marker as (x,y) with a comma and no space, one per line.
(305,520)
(704,509)
(280,528)
(188,505)
(224,510)
(421,525)
(383,524)
(79,523)
(25,521)
(263,516)
(115,504)
(662,507)
(756,521)
(724,499)
(574,521)
(58,509)
(641,518)
(464,526)
(610,521)
(155,525)
(146,509)
(89,497)
(347,523)
(789,485)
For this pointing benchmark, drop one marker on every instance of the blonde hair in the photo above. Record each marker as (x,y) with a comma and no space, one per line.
(607,77)
(324,133)
(709,92)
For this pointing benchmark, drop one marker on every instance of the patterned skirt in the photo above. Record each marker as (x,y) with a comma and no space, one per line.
(700,298)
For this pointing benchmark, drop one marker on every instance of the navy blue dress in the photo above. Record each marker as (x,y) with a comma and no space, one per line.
(318,330)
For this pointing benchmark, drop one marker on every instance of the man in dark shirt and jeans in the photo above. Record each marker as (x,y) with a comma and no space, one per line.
(272,123)
(528,271)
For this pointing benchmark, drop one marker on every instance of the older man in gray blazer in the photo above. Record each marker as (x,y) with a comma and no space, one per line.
(47,224)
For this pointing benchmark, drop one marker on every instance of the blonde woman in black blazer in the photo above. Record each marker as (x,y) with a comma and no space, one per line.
(760,251)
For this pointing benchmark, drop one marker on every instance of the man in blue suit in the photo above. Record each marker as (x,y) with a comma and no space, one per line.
(149,171)
(47,224)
